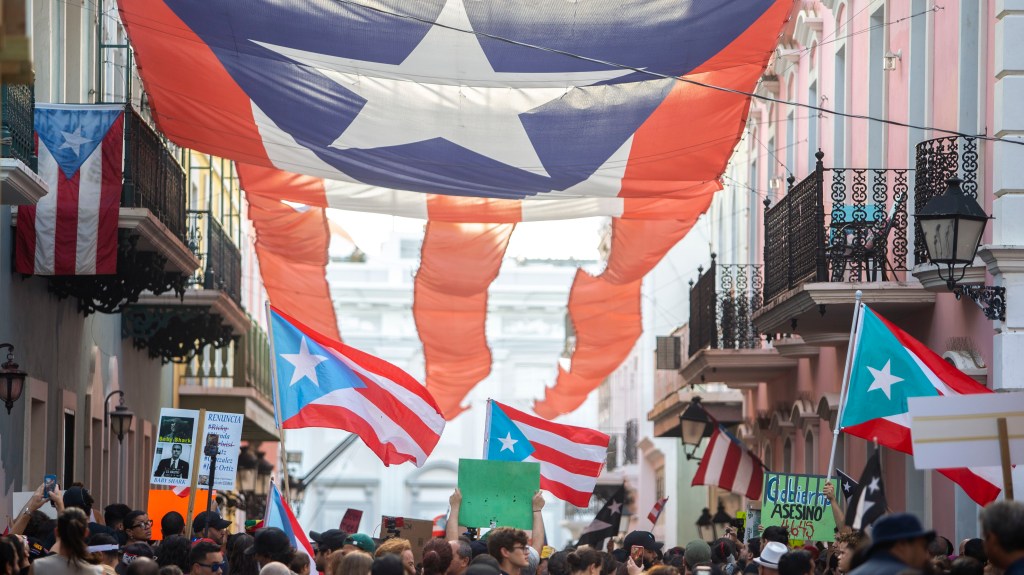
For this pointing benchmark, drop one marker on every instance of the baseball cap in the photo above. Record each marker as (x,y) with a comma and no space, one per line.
(362,541)
(643,538)
(329,540)
(36,549)
(211,518)
(269,541)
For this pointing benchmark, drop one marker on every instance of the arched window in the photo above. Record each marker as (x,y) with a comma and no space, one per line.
(787,456)
(809,453)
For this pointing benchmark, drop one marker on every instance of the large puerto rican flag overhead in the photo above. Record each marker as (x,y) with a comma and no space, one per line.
(475,115)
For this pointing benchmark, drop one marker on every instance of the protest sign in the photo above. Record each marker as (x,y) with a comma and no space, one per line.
(497,493)
(798,503)
(350,522)
(224,433)
(962,430)
(176,437)
(163,501)
(417,531)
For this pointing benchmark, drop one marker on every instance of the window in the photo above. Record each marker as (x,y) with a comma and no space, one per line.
(838,121)
(809,453)
(813,127)
(768,462)
(69,447)
(877,91)
(659,483)
(787,456)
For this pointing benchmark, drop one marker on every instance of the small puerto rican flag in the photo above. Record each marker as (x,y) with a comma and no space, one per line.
(656,511)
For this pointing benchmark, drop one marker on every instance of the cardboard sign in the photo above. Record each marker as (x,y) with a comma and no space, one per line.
(175,444)
(417,531)
(163,501)
(961,430)
(497,493)
(798,503)
(350,522)
(223,433)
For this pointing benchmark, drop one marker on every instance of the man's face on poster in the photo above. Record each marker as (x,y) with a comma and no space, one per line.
(175,451)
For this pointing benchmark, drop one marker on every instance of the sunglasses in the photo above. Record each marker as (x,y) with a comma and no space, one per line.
(215,567)
(143,524)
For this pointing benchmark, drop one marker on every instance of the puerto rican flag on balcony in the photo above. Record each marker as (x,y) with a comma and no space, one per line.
(73,228)
(577,106)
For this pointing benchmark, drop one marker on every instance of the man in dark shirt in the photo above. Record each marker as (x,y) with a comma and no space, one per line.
(898,543)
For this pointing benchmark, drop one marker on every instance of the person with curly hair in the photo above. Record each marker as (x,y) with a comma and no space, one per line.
(402,548)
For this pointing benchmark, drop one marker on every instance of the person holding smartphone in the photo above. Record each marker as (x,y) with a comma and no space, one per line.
(644,539)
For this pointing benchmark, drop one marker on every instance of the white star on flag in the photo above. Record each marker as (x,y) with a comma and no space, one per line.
(456,94)
(74,140)
(305,364)
(615,507)
(884,379)
(873,486)
(508,443)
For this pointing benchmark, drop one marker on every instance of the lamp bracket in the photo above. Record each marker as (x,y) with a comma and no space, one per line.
(991,299)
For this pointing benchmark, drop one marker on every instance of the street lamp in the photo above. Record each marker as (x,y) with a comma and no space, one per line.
(705,525)
(952,225)
(119,420)
(14,379)
(264,469)
(722,520)
(694,425)
(296,492)
(246,471)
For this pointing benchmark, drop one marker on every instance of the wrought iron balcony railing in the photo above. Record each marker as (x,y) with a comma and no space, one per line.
(18,110)
(859,235)
(153,178)
(938,160)
(245,362)
(220,260)
(722,303)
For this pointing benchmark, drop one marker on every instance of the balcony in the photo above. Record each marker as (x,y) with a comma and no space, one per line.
(19,182)
(937,160)
(819,251)
(234,378)
(207,313)
(725,352)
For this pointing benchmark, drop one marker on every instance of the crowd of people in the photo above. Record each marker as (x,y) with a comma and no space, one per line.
(123,545)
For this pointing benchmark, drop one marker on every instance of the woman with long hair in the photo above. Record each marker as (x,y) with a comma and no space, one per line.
(355,563)
(584,562)
(73,558)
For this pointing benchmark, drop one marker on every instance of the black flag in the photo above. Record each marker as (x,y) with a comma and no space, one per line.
(606,522)
(846,484)
(868,500)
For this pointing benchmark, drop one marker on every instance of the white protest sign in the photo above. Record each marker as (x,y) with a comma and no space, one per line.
(962,430)
(223,433)
(175,441)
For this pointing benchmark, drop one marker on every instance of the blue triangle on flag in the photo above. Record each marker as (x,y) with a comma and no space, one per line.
(505,441)
(72,133)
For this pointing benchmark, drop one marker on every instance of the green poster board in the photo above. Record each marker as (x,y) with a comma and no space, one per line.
(497,493)
(798,503)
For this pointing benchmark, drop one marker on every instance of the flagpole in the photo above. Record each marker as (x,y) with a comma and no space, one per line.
(487,427)
(844,389)
(277,410)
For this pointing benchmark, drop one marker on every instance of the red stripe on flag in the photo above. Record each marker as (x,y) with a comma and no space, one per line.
(331,416)
(400,413)
(110,198)
(65,243)
(586,467)
(564,492)
(733,456)
(25,255)
(700,477)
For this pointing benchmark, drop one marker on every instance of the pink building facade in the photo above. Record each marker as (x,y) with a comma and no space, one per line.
(922,73)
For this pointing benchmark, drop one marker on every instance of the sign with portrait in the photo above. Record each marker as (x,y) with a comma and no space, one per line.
(223,436)
(175,443)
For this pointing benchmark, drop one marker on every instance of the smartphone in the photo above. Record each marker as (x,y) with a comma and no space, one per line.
(636,553)
(703,570)
(49,484)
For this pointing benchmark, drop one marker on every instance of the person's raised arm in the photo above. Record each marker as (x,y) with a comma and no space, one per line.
(830,492)
(538,521)
(33,505)
(451,529)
